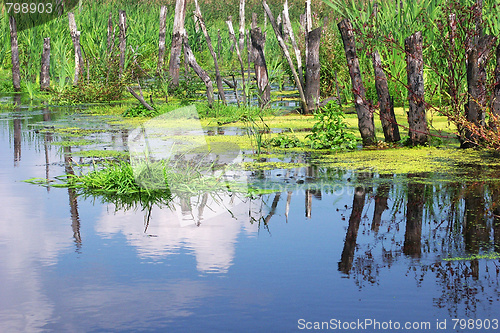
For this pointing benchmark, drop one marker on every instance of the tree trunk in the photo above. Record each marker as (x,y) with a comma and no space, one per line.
(199,71)
(122,24)
(417,120)
(381,199)
(495,105)
(45,68)
(177,36)
(387,117)
(229,23)
(111,34)
(161,40)
(16,72)
(288,25)
(476,83)
(258,42)
(75,36)
(287,56)
(312,69)
(365,116)
(241,42)
(218,78)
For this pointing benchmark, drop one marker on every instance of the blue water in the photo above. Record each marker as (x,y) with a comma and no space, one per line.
(73,264)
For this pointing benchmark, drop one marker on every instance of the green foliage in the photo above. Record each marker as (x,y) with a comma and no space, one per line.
(283,141)
(140,111)
(330,130)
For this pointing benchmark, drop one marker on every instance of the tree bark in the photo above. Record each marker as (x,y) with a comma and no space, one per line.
(14,47)
(241,41)
(229,23)
(312,69)
(495,105)
(45,67)
(476,83)
(218,77)
(199,71)
(140,98)
(111,34)
(287,56)
(122,24)
(298,58)
(161,40)
(177,37)
(258,42)
(75,36)
(387,117)
(365,116)
(417,120)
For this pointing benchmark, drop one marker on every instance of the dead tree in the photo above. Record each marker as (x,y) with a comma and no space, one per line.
(178,34)
(258,41)
(218,77)
(161,39)
(417,121)
(229,23)
(287,56)
(122,24)
(495,104)
(111,34)
(14,47)
(365,116)
(312,69)
(188,53)
(75,37)
(386,105)
(288,26)
(45,67)
(241,41)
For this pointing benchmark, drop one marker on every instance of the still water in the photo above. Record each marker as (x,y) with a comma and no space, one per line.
(334,248)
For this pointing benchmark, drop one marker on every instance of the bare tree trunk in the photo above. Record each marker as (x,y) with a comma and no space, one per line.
(495,105)
(287,23)
(241,42)
(414,215)
(140,98)
(312,69)
(229,23)
(45,68)
(387,117)
(476,82)
(381,198)
(365,116)
(177,36)
(219,47)
(111,34)
(161,40)
(258,42)
(218,77)
(287,56)
(417,120)
(122,24)
(14,47)
(199,71)
(75,36)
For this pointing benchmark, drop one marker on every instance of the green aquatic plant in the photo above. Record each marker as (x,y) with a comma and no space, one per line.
(140,111)
(490,256)
(283,141)
(330,130)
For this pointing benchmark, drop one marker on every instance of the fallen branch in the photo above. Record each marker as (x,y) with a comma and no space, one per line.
(140,99)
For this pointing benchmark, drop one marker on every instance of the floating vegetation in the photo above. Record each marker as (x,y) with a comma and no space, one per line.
(489,256)
(102,154)
(73,143)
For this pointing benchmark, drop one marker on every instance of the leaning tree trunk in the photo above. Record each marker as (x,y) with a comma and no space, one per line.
(288,25)
(241,40)
(258,42)
(16,73)
(45,68)
(229,23)
(199,71)
(387,117)
(365,116)
(177,36)
(476,82)
(417,121)
(312,69)
(161,39)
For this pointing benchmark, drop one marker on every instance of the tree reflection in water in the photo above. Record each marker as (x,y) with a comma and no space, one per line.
(440,221)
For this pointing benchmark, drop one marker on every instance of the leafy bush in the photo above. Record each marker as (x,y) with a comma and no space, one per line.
(330,130)
(284,141)
(140,111)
